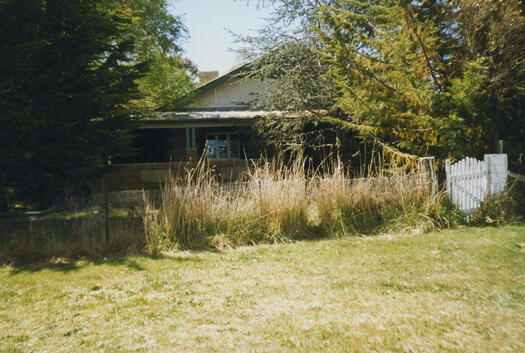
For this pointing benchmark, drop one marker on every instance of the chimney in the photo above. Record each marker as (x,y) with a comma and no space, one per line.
(207,76)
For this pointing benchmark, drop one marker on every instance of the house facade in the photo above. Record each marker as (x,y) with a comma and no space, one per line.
(217,128)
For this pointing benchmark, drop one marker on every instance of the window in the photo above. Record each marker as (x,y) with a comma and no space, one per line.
(221,146)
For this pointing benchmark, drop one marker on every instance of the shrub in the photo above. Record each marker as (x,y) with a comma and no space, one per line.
(494,211)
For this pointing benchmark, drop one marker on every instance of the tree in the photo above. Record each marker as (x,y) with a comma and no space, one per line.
(493,34)
(67,75)
(288,57)
(386,65)
(418,77)
(289,54)
(167,85)
(168,82)
(294,72)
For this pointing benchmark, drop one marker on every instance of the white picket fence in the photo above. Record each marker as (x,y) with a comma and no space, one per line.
(470,181)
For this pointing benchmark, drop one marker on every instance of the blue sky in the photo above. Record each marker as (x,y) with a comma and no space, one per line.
(208,22)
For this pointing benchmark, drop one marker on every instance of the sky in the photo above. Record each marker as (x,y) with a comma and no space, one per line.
(208,22)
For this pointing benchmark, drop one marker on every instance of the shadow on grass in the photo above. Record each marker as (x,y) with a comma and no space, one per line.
(55,267)
(130,261)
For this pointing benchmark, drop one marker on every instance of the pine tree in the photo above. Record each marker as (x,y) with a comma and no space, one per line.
(384,62)
(66,77)
(493,36)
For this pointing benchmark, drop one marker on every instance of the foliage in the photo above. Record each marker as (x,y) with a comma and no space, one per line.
(67,75)
(72,74)
(295,73)
(415,77)
(167,85)
(495,211)
(296,133)
(289,59)
(466,129)
(384,65)
(517,194)
(493,33)
(169,80)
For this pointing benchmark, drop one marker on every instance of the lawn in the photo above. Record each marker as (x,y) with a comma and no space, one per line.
(458,290)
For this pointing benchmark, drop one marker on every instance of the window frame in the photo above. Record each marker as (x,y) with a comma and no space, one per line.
(228,145)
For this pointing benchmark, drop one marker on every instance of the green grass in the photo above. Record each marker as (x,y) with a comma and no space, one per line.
(452,291)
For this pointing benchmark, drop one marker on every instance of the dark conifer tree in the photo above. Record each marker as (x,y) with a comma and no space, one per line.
(65,79)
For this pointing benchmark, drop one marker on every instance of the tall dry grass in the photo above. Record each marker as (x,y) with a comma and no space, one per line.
(191,208)
(68,238)
(267,205)
(277,201)
(381,201)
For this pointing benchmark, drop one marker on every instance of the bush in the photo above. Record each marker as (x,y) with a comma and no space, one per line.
(495,211)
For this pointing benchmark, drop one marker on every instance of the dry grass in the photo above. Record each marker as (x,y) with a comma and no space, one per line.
(70,235)
(273,202)
(452,291)
(365,205)
(279,202)
(270,204)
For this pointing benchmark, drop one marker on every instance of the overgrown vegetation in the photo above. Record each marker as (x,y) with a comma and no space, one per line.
(440,78)
(75,74)
(278,202)
(71,235)
(503,209)
(274,202)
(158,33)
(450,291)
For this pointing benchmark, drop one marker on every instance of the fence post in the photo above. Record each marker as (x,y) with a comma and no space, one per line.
(447,174)
(422,164)
(433,176)
(488,187)
(497,172)
(106,210)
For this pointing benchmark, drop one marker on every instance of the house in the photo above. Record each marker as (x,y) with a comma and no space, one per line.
(217,128)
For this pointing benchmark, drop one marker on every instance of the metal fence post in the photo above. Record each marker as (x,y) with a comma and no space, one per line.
(106,210)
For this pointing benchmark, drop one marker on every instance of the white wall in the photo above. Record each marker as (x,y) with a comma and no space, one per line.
(231,93)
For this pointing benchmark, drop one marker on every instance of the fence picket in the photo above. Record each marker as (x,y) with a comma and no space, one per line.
(460,183)
(465,185)
(453,191)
